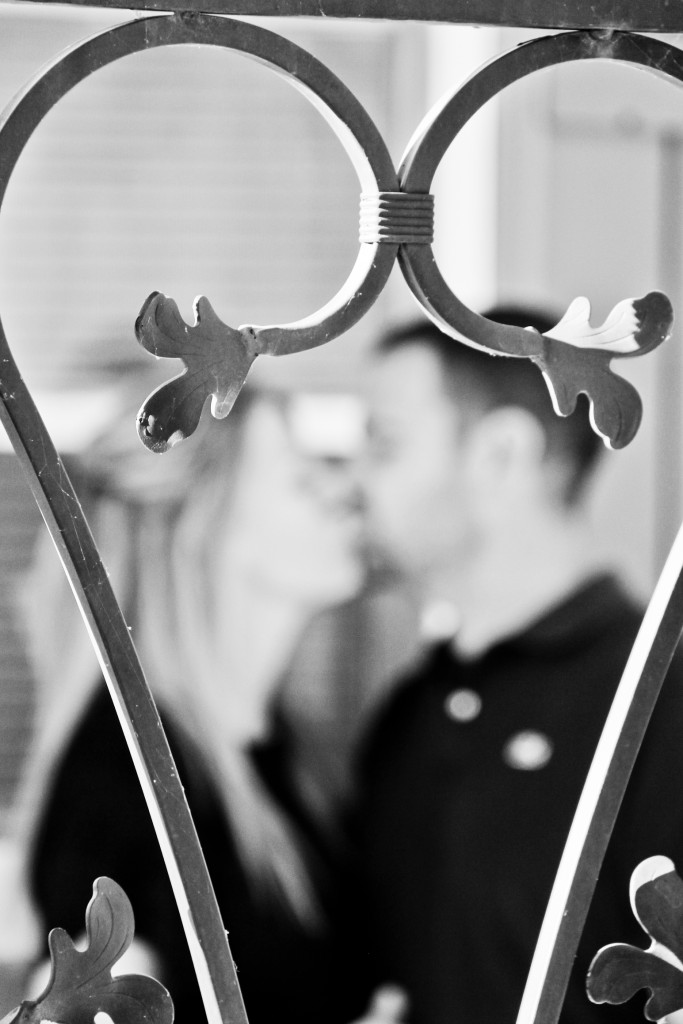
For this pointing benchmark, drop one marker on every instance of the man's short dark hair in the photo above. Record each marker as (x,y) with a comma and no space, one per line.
(485,382)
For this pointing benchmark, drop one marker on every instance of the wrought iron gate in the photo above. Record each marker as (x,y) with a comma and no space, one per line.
(396,223)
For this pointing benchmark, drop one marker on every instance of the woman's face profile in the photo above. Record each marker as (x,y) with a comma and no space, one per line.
(296,524)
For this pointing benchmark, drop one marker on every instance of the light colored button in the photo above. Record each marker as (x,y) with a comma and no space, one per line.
(528,750)
(463,705)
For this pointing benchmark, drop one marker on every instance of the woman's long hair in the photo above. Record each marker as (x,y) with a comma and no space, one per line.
(155,520)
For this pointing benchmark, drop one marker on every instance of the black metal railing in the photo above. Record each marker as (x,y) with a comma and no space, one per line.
(397,216)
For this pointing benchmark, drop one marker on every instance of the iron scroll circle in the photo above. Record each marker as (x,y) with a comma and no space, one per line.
(58,501)
(444,122)
(349,120)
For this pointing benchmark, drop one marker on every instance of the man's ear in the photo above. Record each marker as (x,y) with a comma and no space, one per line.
(506,439)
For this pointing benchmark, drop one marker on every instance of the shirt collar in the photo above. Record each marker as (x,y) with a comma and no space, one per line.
(584,613)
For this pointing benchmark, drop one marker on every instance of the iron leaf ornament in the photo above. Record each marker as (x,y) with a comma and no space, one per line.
(81,983)
(217,360)
(574,358)
(619,971)
(577,358)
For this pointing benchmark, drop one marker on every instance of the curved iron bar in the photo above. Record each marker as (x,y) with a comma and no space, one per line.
(448,117)
(444,122)
(344,113)
(574,357)
(602,794)
(371,160)
(137,712)
(218,357)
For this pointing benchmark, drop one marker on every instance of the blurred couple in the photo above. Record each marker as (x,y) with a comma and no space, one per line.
(476,495)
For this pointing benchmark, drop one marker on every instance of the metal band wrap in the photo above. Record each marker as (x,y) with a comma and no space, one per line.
(396,218)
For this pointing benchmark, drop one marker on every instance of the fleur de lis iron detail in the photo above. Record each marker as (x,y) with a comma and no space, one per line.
(217,360)
(619,971)
(574,357)
(81,983)
(397,210)
(577,358)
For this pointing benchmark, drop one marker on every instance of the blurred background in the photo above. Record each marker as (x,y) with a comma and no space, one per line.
(195,171)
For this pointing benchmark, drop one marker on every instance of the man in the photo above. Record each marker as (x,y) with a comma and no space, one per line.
(470,775)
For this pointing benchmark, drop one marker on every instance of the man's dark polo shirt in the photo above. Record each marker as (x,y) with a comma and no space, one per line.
(469,781)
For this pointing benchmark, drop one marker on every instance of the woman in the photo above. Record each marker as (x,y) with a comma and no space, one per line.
(220,552)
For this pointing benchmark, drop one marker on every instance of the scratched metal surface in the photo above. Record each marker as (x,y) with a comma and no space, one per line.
(636,16)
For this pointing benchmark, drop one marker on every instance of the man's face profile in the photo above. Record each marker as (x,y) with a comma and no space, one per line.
(416,476)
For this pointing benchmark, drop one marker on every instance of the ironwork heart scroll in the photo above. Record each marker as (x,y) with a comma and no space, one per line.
(396,222)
